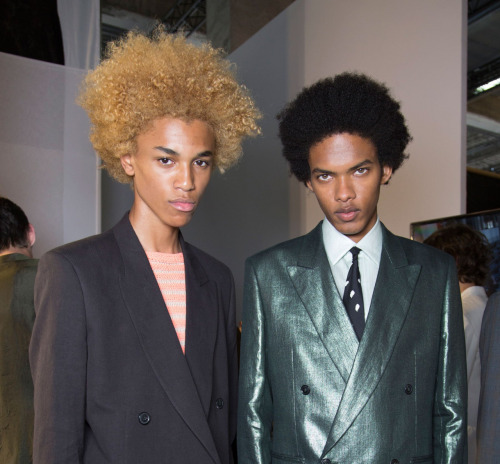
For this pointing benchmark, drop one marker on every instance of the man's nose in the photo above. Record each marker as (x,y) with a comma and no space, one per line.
(344,190)
(185,179)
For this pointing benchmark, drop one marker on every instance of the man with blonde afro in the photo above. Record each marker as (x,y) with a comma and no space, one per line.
(133,351)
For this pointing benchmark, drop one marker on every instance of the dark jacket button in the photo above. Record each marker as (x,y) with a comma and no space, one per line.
(408,391)
(324,461)
(219,403)
(144,418)
(395,461)
(305,391)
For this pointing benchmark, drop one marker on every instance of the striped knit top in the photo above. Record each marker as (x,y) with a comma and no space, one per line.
(171,277)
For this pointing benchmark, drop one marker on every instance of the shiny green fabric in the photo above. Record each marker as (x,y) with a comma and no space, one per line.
(17,277)
(400,393)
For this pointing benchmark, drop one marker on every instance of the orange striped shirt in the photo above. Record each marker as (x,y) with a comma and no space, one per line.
(171,277)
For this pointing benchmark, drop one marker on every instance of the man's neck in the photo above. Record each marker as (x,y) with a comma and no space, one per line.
(11,250)
(465,285)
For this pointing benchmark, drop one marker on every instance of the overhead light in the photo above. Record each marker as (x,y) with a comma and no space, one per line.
(487,86)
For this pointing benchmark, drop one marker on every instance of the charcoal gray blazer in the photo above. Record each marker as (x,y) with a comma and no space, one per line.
(488,421)
(111,382)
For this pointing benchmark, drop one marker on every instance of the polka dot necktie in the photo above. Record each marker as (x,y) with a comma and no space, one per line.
(353,297)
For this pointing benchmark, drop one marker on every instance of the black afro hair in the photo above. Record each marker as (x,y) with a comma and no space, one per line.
(348,103)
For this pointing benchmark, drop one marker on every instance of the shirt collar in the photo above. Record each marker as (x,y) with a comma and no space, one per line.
(13,257)
(474,290)
(337,244)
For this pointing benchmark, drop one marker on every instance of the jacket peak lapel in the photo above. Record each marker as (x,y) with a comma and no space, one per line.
(201,325)
(157,335)
(313,281)
(395,284)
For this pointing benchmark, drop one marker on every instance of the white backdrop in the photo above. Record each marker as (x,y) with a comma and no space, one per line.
(81,32)
(47,165)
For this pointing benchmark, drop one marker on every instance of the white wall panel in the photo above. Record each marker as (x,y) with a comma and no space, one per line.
(418,50)
(47,164)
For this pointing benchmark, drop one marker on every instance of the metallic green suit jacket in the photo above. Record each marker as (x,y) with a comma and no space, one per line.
(311,393)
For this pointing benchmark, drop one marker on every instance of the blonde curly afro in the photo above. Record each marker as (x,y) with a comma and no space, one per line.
(143,79)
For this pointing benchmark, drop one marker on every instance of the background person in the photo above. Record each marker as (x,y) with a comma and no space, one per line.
(472,255)
(17,279)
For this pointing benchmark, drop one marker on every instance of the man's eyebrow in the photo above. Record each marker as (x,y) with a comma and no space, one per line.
(360,165)
(321,171)
(206,153)
(169,151)
(352,168)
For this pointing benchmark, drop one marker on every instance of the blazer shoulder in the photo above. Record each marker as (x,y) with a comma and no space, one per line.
(21,267)
(286,252)
(96,248)
(491,317)
(494,300)
(420,253)
(28,268)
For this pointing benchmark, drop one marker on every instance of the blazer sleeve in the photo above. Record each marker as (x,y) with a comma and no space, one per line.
(232,351)
(488,422)
(255,401)
(58,363)
(471,343)
(450,402)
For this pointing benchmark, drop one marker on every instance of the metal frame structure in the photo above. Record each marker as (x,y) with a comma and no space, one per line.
(187,16)
(478,9)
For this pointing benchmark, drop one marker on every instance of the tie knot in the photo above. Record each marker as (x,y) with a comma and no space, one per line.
(355,252)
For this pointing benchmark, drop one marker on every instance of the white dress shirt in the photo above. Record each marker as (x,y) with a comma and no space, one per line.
(338,246)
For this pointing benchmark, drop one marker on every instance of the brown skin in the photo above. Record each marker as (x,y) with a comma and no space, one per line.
(465,285)
(346,177)
(171,170)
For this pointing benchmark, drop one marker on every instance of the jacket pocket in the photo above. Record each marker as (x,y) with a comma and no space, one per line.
(421,459)
(277,458)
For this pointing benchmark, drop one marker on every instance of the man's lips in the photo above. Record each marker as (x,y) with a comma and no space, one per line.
(347,214)
(183,205)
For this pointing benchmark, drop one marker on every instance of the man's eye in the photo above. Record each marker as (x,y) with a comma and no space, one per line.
(165,161)
(202,163)
(324,177)
(361,170)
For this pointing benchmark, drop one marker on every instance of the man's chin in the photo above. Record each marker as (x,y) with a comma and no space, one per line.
(347,229)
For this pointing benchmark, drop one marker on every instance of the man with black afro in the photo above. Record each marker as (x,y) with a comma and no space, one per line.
(353,341)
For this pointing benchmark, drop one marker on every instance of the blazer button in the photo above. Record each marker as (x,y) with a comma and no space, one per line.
(144,418)
(219,403)
(305,391)
(408,391)
(325,461)
(395,461)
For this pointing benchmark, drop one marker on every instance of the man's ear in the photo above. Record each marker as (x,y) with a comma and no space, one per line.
(31,235)
(386,174)
(127,165)
(308,185)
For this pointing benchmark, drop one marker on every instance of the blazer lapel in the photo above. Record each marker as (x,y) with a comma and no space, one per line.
(157,335)
(313,281)
(201,325)
(394,289)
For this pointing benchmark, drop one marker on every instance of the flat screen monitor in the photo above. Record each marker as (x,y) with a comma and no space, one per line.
(486,222)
